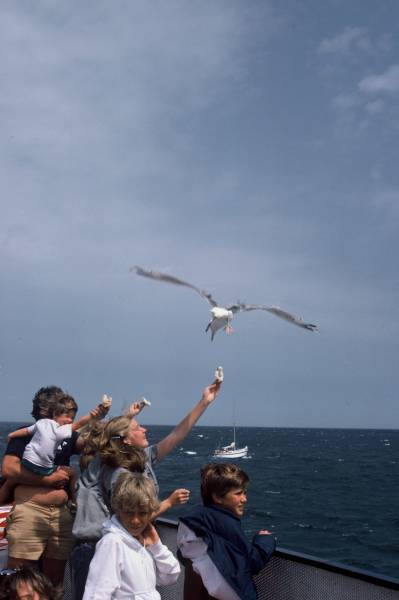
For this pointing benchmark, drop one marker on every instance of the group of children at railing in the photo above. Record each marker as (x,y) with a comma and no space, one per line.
(104,525)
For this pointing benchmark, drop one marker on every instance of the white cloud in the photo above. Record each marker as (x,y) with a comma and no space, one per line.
(387,82)
(352,38)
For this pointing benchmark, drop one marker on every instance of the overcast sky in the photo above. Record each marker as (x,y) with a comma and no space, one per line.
(250,148)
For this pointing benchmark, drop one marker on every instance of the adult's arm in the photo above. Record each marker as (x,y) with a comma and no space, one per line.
(13,470)
(6,492)
(177,435)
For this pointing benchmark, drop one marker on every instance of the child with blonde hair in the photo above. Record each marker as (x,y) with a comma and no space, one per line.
(130,560)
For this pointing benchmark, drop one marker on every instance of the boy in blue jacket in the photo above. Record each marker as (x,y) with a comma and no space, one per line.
(221,562)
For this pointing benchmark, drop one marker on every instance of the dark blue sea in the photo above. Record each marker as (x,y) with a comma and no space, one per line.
(332,493)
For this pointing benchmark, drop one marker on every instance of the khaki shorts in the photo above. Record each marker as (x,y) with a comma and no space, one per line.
(34,531)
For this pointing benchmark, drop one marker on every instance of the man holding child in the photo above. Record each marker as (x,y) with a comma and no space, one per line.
(40,524)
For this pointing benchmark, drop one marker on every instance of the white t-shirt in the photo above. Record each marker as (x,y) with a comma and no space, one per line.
(47,435)
(195,549)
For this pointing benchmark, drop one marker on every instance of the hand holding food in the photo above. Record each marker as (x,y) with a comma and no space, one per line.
(219,376)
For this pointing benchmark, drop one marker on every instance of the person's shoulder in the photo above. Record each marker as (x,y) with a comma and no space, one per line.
(108,541)
(111,476)
(197,511)
(45,424)
(151,453)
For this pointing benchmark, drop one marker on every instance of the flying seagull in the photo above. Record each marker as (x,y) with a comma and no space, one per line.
(223,315)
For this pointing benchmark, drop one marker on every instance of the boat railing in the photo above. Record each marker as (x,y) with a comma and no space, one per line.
(295,576)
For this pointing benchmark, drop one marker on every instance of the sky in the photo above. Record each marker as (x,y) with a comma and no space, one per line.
(248,148)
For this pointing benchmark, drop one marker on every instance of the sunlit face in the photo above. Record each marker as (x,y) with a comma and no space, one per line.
(234,501)
(25,592)
(136,522)
(65,418)
(136,435)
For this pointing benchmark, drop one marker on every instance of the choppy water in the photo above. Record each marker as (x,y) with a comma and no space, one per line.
(333,493)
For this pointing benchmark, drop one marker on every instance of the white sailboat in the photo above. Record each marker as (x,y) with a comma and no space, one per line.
(231,451)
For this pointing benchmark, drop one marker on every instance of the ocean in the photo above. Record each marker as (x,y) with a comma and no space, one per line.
(331,493)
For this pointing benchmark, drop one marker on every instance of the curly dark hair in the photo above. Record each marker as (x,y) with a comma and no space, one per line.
(11,581)
(45,400)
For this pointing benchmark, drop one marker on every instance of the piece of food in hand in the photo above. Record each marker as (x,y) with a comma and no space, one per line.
(106,401)
(219,375)
(144,401)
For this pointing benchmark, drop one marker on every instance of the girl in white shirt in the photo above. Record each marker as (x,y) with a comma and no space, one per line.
(130,559)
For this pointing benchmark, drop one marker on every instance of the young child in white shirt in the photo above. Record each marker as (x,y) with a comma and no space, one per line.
(47,435)
(130,559)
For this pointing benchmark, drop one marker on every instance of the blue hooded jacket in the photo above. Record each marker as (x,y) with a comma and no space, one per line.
(235,558)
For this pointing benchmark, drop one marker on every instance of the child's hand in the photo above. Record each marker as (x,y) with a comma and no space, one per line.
(150,535)
(99,412)
(179,496)
(265,532)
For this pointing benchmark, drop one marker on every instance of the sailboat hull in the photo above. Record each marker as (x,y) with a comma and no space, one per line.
(225,453)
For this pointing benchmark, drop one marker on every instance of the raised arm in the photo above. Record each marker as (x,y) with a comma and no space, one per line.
(97,413)
(82,421)
(179,496)
(177,435)
(18,433)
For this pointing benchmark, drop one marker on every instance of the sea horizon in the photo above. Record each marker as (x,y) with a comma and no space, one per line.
(271,427)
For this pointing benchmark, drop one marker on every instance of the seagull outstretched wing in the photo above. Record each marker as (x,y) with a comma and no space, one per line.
(170,279)
(279,312)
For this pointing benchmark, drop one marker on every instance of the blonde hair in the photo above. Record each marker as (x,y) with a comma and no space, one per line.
(113,450)
(134,492)
(91,435)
